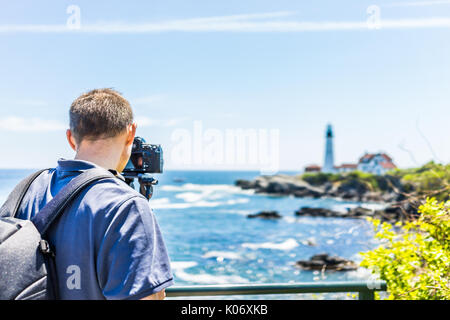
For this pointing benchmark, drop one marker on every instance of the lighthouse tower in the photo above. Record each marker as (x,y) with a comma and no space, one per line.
(328,166)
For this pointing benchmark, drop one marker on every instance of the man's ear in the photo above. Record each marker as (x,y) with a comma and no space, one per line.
(71,140)
(131,134)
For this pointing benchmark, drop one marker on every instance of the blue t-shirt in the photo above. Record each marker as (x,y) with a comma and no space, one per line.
(108,243)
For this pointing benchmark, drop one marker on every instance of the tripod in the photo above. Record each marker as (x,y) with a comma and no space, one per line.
(145,180)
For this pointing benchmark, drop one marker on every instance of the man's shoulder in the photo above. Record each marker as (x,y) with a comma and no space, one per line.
(105,194)
(113,189)
(111,199)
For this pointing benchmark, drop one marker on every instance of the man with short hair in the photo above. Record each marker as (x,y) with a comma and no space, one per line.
(107,242)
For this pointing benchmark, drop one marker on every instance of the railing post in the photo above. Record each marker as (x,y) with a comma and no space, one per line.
(366,295)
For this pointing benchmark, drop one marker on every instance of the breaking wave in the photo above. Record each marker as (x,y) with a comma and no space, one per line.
(220,255)
(179,267)
(285,245)
(164,203)
(207,188)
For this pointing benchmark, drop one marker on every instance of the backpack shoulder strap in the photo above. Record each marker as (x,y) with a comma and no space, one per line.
(56,206)
(12,204)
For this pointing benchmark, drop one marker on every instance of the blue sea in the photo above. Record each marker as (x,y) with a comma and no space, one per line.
(203,217)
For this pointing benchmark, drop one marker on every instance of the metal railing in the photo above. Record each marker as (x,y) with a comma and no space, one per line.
(366,290)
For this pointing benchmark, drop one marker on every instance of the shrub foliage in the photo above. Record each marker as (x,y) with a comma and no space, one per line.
(414,258)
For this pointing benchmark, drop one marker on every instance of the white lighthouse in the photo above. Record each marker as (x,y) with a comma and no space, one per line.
(328,165)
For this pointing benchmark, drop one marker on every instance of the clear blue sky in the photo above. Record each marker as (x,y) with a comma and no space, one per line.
(245,64)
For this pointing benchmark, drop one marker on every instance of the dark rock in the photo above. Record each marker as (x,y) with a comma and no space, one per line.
(244,184)
(399,211)
(278,188)
(350,195)
(359,212)
(372,197)
(353,186)
(323,212)
(399,208)
(353,189)
(317,212)
(323,261)
(302,193)
(265,215)
(281,185)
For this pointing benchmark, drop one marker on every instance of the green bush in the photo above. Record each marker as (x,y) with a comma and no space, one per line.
(431,177)
(319,178)
(370,181)
(414,260)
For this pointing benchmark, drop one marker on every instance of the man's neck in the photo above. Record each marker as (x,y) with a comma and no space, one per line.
(103,156)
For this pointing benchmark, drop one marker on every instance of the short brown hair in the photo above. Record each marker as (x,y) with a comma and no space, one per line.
(99,114)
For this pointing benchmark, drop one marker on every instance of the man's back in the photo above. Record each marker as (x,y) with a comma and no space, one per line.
(107,242)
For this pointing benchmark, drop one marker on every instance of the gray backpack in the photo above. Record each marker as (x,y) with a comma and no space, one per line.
(27,264)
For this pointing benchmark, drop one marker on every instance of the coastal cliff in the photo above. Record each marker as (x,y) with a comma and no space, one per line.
(402,191)
(351,187)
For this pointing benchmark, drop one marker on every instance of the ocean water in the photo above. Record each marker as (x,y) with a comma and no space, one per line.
(210,240)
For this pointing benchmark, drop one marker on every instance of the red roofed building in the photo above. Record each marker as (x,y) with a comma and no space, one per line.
(313,168)
(346,167)
(376,163)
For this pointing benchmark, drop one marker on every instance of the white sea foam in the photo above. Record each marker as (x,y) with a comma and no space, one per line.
(290,219)
(311,241)
(241,212)
(204,278)
(285,245)
(342,207)
(222,254)
(197,195)
(178,267)
(319,221)
(237,201)
(190,196)
(181,265)
(164,203)
(206,188)
(360,273)
(193,197)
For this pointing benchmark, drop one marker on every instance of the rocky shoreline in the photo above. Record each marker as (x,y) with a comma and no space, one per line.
(390,214)
(353,190)
(396,209)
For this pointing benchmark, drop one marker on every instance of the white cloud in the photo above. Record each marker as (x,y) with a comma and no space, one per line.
(233,23)
(20,124)
(417,3)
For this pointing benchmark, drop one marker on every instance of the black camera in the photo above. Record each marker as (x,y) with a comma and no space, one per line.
(145,159)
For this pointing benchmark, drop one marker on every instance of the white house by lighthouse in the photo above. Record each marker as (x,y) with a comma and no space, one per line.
(375,163)
(328,165)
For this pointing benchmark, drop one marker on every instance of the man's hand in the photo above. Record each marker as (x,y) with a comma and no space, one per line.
(156,296)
